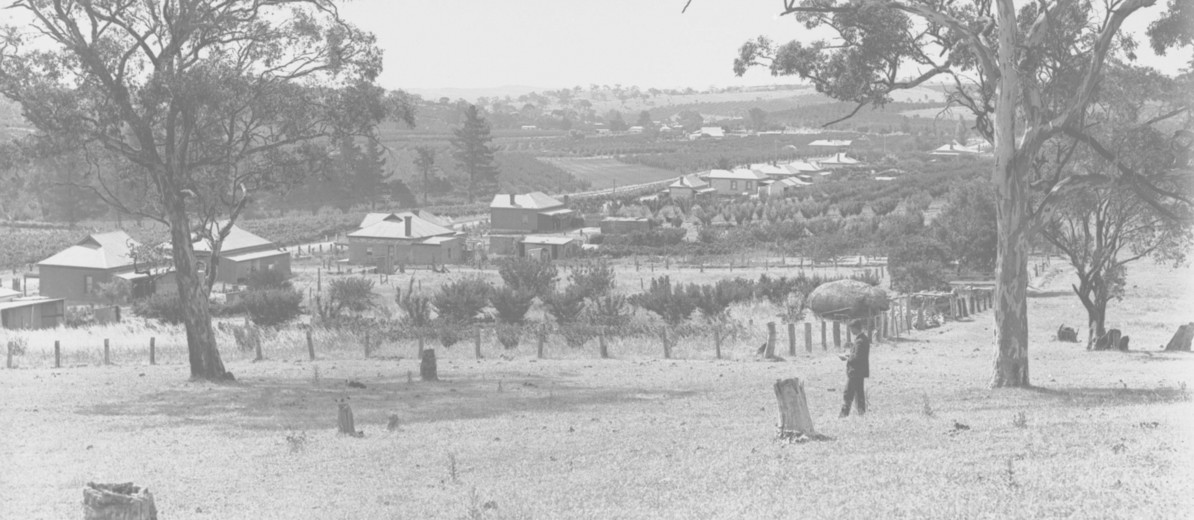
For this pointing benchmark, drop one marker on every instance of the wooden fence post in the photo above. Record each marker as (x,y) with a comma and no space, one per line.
(153,360)
(310,345)
(57,355)
(477,344)
(667,348)
(791,339)
(602,348)
(8,356)
(837,334)
(107,360)
(808,337)
(824,340)
(717,342)
(769,350)
(542,337)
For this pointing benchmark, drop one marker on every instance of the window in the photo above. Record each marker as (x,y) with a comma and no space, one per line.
(369,252)
(525,219)
(88,284)
(733,185)
(201,266)
(749,185)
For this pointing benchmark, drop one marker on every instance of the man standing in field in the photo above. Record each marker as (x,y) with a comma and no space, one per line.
(858,368)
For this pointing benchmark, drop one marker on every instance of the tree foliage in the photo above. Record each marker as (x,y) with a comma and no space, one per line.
(471,150)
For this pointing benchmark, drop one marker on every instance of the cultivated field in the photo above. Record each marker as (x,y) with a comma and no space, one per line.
(605,172)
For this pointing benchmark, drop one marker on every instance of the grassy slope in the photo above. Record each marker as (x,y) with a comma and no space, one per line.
(604,172)
(636,437)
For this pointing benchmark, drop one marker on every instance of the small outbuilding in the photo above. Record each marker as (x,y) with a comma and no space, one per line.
(31,313)
(242,254)
(549,247)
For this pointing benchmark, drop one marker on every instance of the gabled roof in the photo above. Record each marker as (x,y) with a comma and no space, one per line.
(548,240)
(833,143)
(374,218)
(803,167)
(769,169)
(737,174)
(8,294)
(689,181)
(533,200)
(838,159)
(236,240)
(711,131)
(955,149)
(792,182)
(109,250)
(389,228)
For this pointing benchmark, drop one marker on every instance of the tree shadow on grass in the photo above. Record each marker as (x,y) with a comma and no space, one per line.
(1049,294)
(1113,396)
(282,404)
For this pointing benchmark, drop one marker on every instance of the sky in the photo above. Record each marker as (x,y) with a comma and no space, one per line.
(433,44)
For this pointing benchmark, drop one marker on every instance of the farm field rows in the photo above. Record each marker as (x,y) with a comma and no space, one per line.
(607,172)
(1102,435)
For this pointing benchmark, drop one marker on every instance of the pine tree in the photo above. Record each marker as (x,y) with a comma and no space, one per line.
(369,174)
(472,152)
(425,163)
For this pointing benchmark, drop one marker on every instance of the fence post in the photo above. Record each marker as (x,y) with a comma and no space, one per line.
(542,336)
(106,359)
(8,356)
(791,339)
(824,340)
(837,334)
(667,349)
(769,349)
(808,337)
(57,355)
(152,351)
(717,342)
(310,346)
(477,344)
(603,350)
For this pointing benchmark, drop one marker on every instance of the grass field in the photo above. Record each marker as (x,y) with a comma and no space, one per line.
(606,172)
(1104,434)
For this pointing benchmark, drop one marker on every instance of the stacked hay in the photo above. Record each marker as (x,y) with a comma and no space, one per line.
(846,300)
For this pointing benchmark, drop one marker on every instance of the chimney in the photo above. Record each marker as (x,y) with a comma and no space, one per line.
(408,219)
(511,199)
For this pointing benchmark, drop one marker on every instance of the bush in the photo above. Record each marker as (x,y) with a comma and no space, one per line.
(511,305)
(594,279)
(609,311)
(166,308)
(448,334)
(417,307)
(17,345)
(116,291)
(565,306)
(353,294)
(269,279)
(509,335)
(272,307)
(461,301)
(537,277)
(712,300)
(918,264)
(672,305)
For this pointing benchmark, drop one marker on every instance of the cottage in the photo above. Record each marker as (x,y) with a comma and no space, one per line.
(242,254)
(739,181)
(514,216)
(838,160)
(689,186)
(624,225)
(74,274)
(715,132)
(31,313)
(548,247)
(784,186)
(404,239)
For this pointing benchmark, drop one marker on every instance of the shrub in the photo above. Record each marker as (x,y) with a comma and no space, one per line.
(609,311)
(448,334)
(528,275)
(272,307)
(565,306)
(511,305)
(115,291)
(166,308)
(672,305)
(353,294)
(577,334)
(867,277)
(509,335)
(17,345)
(594,279)
(596,238)
(417,307)
(269,279)
(462,300)
(917,264)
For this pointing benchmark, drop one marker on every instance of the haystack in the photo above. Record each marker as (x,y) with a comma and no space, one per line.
(845,300)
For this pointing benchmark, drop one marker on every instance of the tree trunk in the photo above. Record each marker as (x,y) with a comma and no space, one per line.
(1010,178)
(427,366)
(196,316)
(118,502)
(1096,323)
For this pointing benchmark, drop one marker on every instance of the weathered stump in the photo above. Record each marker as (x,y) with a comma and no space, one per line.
(1123,344)
(427,368)
(794,419)
(118,502)
(1181,339)
(1069,334)
(1109,340)
(345,423)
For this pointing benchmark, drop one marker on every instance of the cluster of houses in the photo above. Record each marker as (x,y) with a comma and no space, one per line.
(762,179)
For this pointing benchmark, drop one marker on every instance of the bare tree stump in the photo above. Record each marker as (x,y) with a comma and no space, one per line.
(769,351)
(1181,339)
(1065,333)
(794,419)
(601,346)
(427,369)
(118,502)
(1109,340)
(1123,344)
(791,339)
(345,422)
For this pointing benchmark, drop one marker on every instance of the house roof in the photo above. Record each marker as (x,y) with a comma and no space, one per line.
(689,181)
(768,169)
(955,149)
(236,240)
(533,200)
(737,174)
(833,143)
(435,241)
(792,182)
(556,212)
(711,131)
(396,229)
(803,167)
(25,302)
(8,294)
(374,218)
(838,159)
(109,250)
(558,241)
(245,257)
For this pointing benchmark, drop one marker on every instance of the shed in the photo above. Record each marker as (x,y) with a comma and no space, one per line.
(242,254)
(32,313)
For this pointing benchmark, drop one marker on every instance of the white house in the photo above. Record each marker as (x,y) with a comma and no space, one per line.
(739,181)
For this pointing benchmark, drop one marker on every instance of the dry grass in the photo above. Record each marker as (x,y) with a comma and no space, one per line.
(1105,434)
